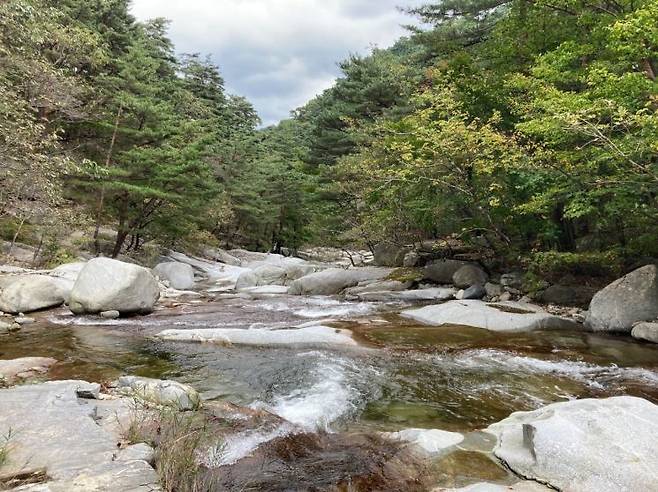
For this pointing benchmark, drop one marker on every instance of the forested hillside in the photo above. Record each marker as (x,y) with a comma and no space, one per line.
(527,126)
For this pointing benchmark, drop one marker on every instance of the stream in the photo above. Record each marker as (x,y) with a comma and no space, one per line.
(399,375)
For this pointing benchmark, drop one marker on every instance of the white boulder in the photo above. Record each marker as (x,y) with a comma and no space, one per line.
(179,275)
(606,445)
(111,285)
(27,293)
(160,392)
(334,280)
(626,301)
(431,441)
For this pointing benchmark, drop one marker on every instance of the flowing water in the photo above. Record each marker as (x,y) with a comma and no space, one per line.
(331,403)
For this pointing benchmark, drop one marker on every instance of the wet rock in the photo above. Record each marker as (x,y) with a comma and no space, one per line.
(110,314)
(431,441)
(508,316)
(160,392)
(442,271)
(468,276)
(179,275)
(111,285)
(6,328)
(390,255)
(266,290)
(137,452)
(24,320)
(55,432)
(646,331)
(334,280)
(626,301)
(327,461)
(24,368)
(310,335)
(605,445)
(27,293)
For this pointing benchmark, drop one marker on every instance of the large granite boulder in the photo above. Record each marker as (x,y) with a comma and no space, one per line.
(390,255)
(626,301)
(111,285)
(54,430)
(503,316)
(442,271)
(334,280)
(179,275)
(27,293)
(603,445)
(160,392)
(646,331)
(67,274)
(469,275)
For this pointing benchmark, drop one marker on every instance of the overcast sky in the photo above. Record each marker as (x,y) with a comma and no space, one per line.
(278,53)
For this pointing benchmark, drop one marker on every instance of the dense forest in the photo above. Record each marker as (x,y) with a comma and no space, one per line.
(528,126)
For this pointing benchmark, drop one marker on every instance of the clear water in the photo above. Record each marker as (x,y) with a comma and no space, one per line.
(401,375)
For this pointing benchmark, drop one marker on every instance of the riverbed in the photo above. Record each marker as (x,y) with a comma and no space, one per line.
(399,375)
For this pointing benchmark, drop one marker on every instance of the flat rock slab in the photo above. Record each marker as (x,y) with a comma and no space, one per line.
(503,316)
(24,368)
(310,335)
(53,430)
(606,445)
(432,294)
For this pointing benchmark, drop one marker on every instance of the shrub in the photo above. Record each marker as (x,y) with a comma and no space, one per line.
(554,264)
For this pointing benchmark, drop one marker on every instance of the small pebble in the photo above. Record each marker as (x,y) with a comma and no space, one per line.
(110,314)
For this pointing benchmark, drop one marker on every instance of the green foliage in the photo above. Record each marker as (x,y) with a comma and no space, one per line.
(553,264)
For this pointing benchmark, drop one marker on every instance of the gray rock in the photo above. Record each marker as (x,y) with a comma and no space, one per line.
(505,297)
(24,368)
(91,391)
(65,275)
(160,392)
(137,452)
(334,280)
(474,292)
(6,328)
(507,316)
(111,285)
(605,445)
(110,314)
(411,259)
(442,271)
(27,293)
(626,301)
(512,280)
(390,255)
(179,275)
(646,331)
(493,290)
(24,320)
(53,430)
(559,294)
(222,256)
(468,276)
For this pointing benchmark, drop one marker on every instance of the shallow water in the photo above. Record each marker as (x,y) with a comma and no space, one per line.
(401,375)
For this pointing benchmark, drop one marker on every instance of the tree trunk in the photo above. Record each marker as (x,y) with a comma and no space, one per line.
(648,69)
(101,198)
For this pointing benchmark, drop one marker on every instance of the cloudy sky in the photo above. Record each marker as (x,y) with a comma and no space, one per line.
(278,53)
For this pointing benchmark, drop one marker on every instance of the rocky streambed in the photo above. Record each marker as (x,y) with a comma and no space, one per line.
(306,391)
